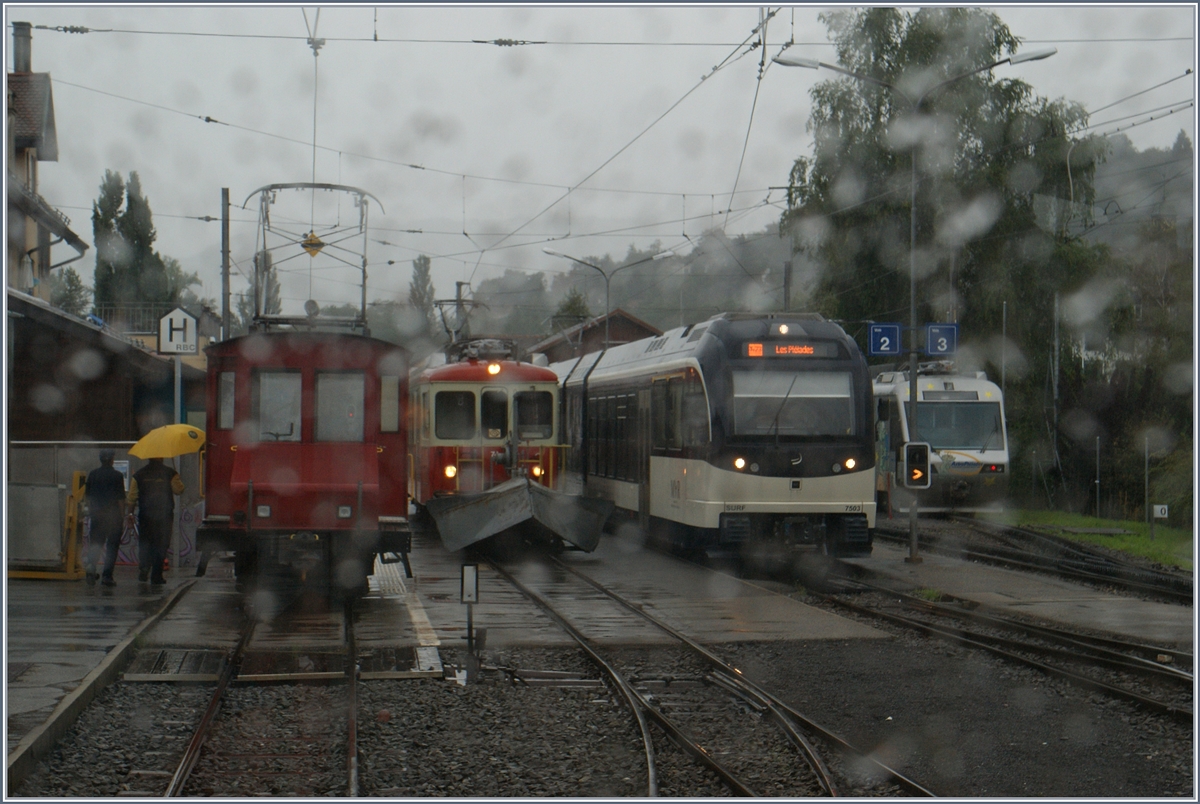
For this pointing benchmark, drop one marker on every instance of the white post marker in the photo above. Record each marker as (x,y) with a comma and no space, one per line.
(469,594)
(1160,512)
(178,336)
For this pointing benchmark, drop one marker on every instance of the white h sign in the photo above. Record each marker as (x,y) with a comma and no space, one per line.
(177,333)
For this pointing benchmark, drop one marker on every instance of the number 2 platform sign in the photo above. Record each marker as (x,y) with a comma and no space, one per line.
(884,339)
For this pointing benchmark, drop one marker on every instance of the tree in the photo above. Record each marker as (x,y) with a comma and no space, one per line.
(420,291)
(68,293)
(269,300)
(984,147)
(993,189)
(128,269)
(180,284)
(573,306)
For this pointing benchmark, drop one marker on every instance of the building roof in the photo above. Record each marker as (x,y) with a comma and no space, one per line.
(592,323)
(33,114)
(47,216)
(41,312)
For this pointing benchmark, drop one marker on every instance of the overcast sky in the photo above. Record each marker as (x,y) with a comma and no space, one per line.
(480,154)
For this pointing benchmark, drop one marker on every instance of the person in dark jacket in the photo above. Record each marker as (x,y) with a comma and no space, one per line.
(104,491)
(152,490)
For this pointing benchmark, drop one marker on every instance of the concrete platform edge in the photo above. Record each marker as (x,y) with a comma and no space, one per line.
(39,742)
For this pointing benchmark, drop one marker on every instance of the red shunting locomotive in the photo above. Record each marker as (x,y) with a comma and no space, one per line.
(306,458)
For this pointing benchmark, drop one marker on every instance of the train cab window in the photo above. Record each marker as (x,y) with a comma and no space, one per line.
(276,405)
(225,386)
(340,406)
(535,414)
(389,404)
(694,412)
(493,413)
(454,414)
(783,404)
(425,414)
(960,425)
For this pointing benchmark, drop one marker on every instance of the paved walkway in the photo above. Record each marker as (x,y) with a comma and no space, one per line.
(1012,592)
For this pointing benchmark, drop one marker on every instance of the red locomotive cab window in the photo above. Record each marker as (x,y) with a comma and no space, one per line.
(389,404)
(454,414)
(340,406)
(277,405)
(225,386)
(535,414)
(493,411)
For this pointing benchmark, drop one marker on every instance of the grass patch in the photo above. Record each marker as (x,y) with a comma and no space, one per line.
(932,595)
(1171,547)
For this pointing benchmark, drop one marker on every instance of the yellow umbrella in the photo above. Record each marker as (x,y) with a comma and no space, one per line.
(168,441)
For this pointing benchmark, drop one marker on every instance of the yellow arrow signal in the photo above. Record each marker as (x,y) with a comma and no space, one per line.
(312,244)
(917,474)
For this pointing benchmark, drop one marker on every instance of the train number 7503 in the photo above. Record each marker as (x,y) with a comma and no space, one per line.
(853,509)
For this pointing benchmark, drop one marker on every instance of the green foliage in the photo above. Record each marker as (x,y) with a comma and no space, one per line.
(573,306)
(421,294)
(68,293)
(128,270)
(1002,189)
(1170,546)
(269,300)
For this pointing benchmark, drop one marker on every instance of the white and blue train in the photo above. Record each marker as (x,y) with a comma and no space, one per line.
(751,433)
(961,417)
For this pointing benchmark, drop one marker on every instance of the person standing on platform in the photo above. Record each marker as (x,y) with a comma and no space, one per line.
(104,491)
(153,491)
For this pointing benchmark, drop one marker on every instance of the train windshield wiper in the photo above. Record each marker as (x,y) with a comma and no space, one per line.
(775,422)
(995,432)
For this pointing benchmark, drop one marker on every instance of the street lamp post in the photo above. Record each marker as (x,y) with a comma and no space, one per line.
(608,276)
(915,108)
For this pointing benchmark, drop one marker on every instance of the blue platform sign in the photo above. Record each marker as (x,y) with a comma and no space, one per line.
(941,339)
(884,339)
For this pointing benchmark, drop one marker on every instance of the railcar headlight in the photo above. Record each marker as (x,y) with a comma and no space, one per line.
(262,511)
(344,512)
(850,464)
(537,471)
(451,471)
(493,368)
(837,467)
(739,463)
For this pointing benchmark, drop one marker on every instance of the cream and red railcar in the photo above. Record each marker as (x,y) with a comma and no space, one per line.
(486,454)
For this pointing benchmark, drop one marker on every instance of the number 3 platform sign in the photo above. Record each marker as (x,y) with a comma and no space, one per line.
(941,339)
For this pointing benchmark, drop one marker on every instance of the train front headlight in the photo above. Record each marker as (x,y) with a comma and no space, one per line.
(493,368)
(739,463)
(850,463)
(537,471)
(262,511)
(451,471)
(344,512)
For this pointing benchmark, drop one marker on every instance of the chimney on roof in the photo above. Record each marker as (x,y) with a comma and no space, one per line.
(22,47)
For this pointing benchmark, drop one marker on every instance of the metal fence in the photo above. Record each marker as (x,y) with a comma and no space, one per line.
(134,317)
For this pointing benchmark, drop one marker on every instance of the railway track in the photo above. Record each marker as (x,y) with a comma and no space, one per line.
(1157,679)
(274,731)
(711,711)
(1025,550)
